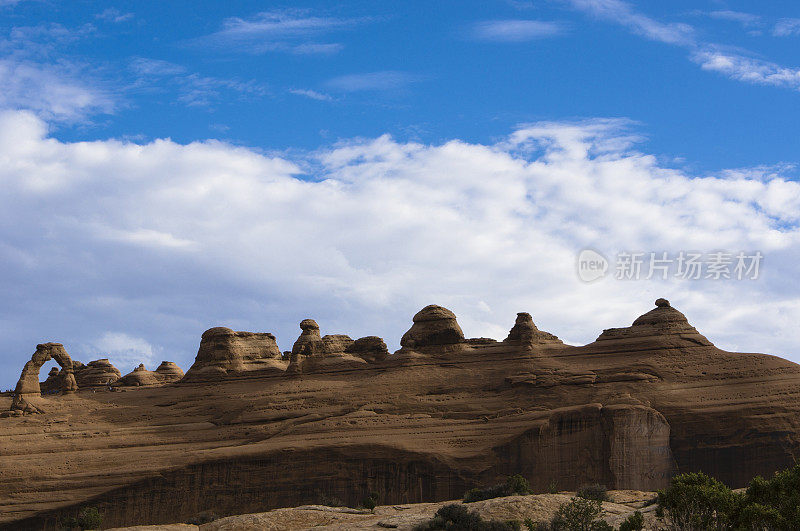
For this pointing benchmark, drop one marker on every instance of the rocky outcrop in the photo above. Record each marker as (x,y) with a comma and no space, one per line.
(97,374)
(433,326)
(628,410)
(371,349)
(312,353)
(140,377)
(28,384)
(169,372)
(225,352)
(525,332)
(664,322)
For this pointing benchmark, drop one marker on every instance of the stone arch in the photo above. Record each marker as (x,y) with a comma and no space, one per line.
(28,384)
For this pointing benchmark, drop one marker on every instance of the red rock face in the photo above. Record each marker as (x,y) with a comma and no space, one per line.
(440,416)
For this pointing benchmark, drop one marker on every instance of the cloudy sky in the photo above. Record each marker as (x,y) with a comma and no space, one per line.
(166,167)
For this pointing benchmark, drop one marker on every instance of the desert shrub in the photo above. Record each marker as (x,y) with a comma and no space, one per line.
(88,518)
(634,522)
(579,514)
(552,487)
(206,517)
(457,517)
(772,503)
(371,501)
(530,525)
(514,485)
(593,492)
(695,501)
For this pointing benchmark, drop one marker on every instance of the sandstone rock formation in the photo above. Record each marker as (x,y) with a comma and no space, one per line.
(433,326)
(440,416)
(139,377)
(169,372)
(28,389)
(371,349)
(525,332)
(312,353)
(223,351)
(97,373)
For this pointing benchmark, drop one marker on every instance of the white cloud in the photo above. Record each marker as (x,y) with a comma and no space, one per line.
(53,91)
(709,56)
(383,80)
(622,13)
(161,240)
(749,69)
(114,15)
(125,352)
(516,30)
(287,30)
(313,94)
(192,88)
(786,27)
(747,20)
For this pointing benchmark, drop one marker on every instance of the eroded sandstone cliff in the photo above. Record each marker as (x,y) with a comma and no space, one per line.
(247,430)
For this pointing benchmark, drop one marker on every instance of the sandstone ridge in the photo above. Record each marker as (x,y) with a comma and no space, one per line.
(249,428)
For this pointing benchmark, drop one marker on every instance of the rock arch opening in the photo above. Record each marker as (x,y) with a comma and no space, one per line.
(28,385)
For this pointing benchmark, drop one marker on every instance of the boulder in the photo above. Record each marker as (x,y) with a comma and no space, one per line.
(223,351)
(371,349)
(433,326)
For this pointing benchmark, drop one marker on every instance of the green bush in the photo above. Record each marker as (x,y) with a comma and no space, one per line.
(695,501)
(371,501)
(514,485)
(457,517)
(88,518)
(773,503)
(634,522)
(580,514)
(593,492)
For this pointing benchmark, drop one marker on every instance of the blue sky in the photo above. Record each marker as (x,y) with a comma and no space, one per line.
(170,166)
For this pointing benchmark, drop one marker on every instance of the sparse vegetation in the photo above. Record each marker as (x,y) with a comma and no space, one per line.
(593,492)
(515,485)
(457,517)
(634,522)
(552,487)
(371,501)
(206,517)
(88,519)
(579,514)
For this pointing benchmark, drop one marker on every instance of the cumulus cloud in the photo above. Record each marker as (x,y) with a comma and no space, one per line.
(160,241)
(55,92)
(125,352)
